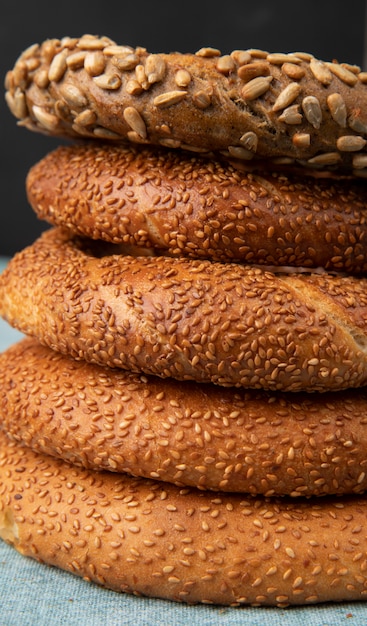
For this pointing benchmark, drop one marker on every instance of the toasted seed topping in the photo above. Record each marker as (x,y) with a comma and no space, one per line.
(133,88)
(320,72)
(343,73)
(287,96)
(94,63)
(256,87)
(47,120)
(359,161)
(58,67)
(73,95)
(17,104)
(135,121)
(169,98)
(225,64)
(253,70)
(241,153)
(108,81)
(350,143)
(202,99)
(328,158)
(301,140)
(312,110)
(41,79)
(90,42)
(241,57)
(337,109)
(126,62)
(278,58)
(182,78)
(356,123)
(291,115)
(118,51)
(86,118)
(208,52)
(249,141)
(155,68)
(293,71)
(76,60)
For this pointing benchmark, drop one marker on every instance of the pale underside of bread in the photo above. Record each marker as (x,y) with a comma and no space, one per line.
(149,538)
(224,323)
(184,433)
(247,104)
(201,208)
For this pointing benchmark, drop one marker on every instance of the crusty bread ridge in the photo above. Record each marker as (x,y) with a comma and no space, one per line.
(201,208)
(224,323)
(146,537)
(188,434)
(245,104)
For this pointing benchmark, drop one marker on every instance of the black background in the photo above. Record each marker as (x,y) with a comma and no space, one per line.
(326,28)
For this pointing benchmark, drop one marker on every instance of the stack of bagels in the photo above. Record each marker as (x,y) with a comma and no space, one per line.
(187,416)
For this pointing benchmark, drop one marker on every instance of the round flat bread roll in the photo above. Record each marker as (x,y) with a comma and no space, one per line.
(201,208)
(184,433)
(149,538)
(224,323)
(247,104)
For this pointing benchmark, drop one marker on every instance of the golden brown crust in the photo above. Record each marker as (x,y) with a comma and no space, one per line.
(144,537)
(183,433)
(229,324)
(247,104)
(200,208)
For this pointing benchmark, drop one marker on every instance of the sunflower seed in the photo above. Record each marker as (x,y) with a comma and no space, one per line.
(73,95)
(249,141)
(293,71)
(257,54)
(82,130)
(86,118)
(356,124)
(359,161)
(182,78)
(133,88)
(241,57)
(327,158)
(155,68)
(125,63)
(17,104)
(363,77)
(343,73)
(41,79)
(105,133)
(350,143)
(291,115)
(256,87)
(168,98)
(94,63)
(135,137)
(208,52)
(115,50)
(301,140)
(240,153)
(225,64)
(141,76)
(253,70)
(108,81)
(90,42)
(62,111)
(135,121)
(170,143)
(76,60)
(337,109)
(312,110)
(46,119)
(202,99)
(58,67)
(287,96)
(320,72)
(278,58)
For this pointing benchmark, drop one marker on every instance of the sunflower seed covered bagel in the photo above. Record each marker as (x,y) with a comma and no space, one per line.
(184,433)
(146,537)
(201,208)
(247,104)
(224,323)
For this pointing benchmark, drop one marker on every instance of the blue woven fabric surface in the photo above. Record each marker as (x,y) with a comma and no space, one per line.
(33,594)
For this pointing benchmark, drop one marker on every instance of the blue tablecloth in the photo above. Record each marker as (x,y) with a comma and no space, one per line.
(32,594)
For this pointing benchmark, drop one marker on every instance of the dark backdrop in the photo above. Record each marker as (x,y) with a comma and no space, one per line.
(327,28)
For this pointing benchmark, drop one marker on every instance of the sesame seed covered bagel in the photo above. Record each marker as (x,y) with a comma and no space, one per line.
(201,208)
(247,104)
(149,538)
(224,323)
(188,434)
